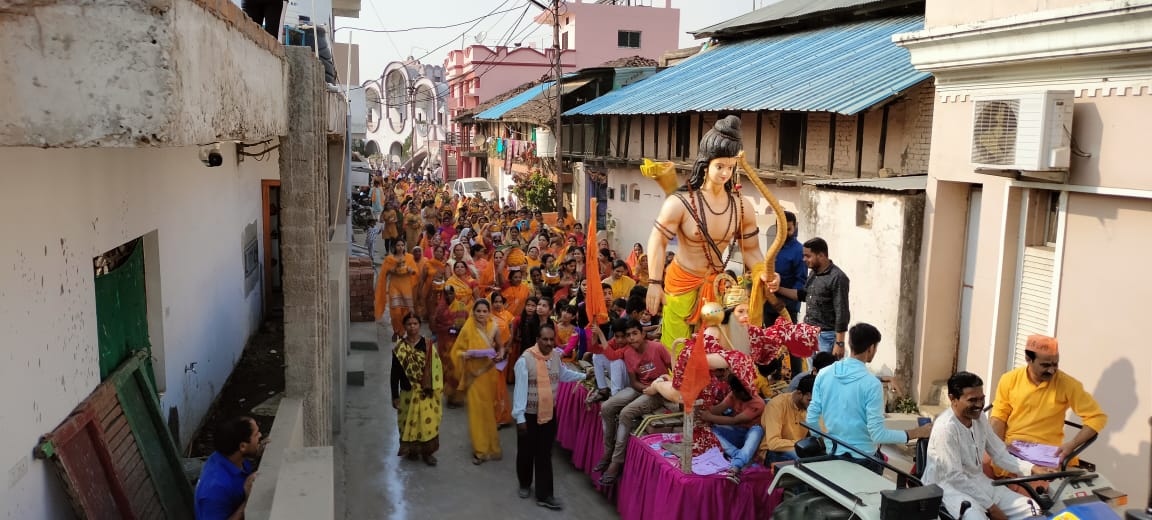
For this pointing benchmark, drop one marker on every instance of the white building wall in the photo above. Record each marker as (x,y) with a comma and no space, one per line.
(870,256)
(64,207)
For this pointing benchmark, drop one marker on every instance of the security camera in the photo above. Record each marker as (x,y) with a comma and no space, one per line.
(211,156)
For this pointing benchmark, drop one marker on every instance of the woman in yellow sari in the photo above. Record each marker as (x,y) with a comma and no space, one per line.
(477,351)
(462,283)
(417,388)
(503,318)
(413,224)
(622,284)
(533,257)
(396,286)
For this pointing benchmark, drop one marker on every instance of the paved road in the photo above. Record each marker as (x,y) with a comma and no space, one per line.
(379,485)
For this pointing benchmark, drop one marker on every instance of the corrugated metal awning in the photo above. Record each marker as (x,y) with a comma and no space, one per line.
(495,112)
(844,69)
(907,183)
(539,91)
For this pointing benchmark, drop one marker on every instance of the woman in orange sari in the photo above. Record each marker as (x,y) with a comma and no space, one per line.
(640,273)
(486,270)
(634,256)
(503,319)
(477,351)
(462,283)
(434,275)
(396,287)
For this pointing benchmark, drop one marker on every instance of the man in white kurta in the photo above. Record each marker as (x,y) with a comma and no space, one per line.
(960,438)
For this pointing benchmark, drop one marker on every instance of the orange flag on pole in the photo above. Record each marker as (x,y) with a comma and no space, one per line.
(594,301)
(697,376)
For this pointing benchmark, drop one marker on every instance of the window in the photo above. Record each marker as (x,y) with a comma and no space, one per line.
(683,135)
(635,192)
(564,41)
(793,130)
(623,193)
(629,39)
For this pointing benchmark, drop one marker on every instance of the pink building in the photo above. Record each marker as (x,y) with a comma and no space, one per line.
(609,29)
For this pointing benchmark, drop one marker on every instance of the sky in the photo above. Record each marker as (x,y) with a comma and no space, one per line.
(431,46)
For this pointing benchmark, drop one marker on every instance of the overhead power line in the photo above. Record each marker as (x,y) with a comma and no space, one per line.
(428,27)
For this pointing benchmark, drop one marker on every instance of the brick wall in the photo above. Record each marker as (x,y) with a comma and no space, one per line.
(361,290)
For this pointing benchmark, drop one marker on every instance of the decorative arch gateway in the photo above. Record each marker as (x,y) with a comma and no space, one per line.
(395,153)
(371,147)
(374,105)
(396,79)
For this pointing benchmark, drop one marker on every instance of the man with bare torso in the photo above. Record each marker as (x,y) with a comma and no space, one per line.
(711,221)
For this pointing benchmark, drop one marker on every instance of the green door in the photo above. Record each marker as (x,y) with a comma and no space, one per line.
(122,314)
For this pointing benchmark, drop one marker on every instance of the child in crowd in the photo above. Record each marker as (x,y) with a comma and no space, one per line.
(651,325)
(608,361)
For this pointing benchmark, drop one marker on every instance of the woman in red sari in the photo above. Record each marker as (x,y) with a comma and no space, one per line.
(449,318)
(504,320)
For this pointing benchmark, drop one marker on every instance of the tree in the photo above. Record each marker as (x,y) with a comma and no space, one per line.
(536,191)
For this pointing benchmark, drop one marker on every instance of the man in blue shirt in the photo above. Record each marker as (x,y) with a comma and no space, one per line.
(226,479)
(792,269)
(850,400)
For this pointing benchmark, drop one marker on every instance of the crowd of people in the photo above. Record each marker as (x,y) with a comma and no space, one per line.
(514,296)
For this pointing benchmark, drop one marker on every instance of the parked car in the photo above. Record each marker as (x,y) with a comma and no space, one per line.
(474,187)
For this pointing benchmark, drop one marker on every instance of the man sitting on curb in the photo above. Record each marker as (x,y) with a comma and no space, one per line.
(850,401)
(646,360)
(740,432)
(781,421)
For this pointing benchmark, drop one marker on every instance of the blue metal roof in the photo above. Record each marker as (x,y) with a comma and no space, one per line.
(500,109)
(844,69)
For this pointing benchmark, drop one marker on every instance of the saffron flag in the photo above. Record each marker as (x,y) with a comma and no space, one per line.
(696,373)
(593,301)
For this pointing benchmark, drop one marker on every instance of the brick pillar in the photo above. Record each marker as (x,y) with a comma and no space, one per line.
(304,231)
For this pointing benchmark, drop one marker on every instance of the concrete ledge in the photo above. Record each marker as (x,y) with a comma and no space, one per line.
(307,486)
(287,434)
(97,73)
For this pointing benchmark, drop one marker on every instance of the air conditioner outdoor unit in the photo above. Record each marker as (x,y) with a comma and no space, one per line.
(1026,132)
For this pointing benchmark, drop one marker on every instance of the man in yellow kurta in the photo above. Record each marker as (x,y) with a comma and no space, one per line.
(1031,402)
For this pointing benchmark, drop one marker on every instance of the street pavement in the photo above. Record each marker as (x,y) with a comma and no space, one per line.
(379,485)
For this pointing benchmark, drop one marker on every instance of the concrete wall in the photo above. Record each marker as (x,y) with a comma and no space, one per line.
(880,259)
(142,78)
(305,222)
(953,13)
(1096,347)
(597,41)
(64,207)
(1103,233)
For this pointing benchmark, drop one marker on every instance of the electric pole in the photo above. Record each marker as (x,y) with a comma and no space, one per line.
(559,105)
(557,72)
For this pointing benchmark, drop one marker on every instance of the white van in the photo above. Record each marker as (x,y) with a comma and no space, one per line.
(474,187)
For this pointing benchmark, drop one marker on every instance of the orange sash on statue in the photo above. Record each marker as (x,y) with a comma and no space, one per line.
(678,281)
